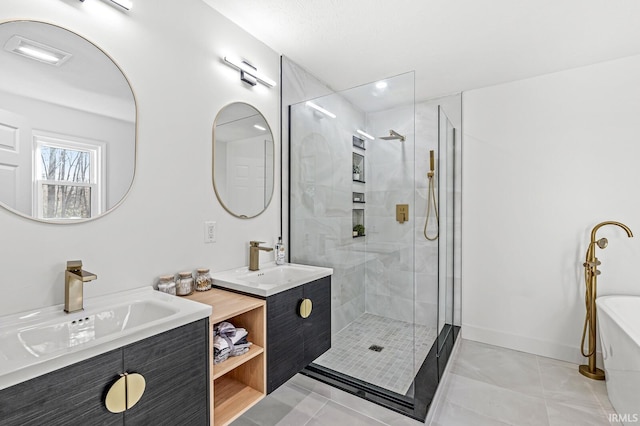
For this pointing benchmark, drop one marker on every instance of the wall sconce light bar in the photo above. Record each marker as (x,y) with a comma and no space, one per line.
(125,4)
(366,135)
(248,73)
(320,109)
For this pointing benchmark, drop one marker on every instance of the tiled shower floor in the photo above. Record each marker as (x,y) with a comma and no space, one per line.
(393,367)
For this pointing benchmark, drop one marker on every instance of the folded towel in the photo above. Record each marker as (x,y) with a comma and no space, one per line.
(224,329)
(229,341)
(239,351)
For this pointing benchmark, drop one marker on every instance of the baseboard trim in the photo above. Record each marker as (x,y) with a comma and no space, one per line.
(530,345)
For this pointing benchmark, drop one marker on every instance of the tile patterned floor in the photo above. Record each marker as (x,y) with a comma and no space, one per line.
(484,386)
(392,368)
(488,385)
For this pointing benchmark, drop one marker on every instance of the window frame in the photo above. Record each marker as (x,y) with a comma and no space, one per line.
(97,178)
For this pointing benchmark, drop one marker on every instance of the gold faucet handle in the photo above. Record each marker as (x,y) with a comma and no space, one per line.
(255,243)
(74,265)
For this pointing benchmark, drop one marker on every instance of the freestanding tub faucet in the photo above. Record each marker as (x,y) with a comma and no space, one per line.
(590,276)
(254,254)
(74,279)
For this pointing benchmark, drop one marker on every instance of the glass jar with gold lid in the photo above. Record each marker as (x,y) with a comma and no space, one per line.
(184,284)
(203,280)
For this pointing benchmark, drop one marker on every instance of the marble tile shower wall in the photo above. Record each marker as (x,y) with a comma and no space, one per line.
(321,206)
(396,274)
(403,279)
(399,177)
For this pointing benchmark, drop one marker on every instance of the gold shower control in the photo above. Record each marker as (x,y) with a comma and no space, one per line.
(305,308)
(125,392)
(402,212)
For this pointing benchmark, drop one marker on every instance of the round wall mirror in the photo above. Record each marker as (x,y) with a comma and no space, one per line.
(67,125)
(243,160)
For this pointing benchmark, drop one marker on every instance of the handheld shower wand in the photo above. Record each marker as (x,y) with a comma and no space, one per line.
(431,199)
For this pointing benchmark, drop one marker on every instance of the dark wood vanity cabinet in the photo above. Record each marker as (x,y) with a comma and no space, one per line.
(174,365)
(294,342)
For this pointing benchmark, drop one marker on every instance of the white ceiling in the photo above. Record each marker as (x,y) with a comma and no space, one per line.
(453,45)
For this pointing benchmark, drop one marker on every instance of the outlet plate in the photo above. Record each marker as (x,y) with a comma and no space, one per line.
(209,232)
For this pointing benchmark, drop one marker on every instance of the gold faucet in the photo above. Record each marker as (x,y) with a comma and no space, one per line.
(74,279)
(254,254)
(590,275)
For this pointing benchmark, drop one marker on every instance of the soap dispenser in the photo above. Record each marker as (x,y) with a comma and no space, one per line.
(281,252)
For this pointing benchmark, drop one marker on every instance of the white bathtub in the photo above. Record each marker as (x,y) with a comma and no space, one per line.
(619,322)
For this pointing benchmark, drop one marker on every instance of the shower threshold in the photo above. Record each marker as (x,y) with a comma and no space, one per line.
(423,388)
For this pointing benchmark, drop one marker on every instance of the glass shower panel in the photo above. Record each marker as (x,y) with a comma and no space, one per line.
(352,163)
(446,195)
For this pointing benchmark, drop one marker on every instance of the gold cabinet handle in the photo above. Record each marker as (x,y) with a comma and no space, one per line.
(306,306)
(116,400)
(125,392)
(136,385)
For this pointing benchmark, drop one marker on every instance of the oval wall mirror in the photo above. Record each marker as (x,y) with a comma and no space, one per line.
(243,160)
(67,125)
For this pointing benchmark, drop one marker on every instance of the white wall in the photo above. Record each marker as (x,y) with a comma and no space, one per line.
(545,159)
(170,52)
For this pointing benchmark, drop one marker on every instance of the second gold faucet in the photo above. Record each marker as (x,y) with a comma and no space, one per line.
(254,254)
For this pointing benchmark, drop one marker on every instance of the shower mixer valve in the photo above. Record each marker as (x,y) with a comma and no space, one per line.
(402,212)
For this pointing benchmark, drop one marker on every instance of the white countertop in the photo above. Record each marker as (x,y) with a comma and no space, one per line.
(21,360)
(270,279)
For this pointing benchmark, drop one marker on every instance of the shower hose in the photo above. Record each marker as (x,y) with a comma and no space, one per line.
(587,300)
(431,201)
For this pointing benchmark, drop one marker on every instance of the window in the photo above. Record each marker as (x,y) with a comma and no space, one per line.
(68,178)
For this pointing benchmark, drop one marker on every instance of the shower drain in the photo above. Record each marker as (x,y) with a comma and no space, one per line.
(376,348)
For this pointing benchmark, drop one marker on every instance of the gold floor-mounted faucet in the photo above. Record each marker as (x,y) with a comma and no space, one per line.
(254,254)
(74,279)
(590,276)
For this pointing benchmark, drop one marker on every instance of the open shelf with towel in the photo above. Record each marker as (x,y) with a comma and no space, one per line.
(239,382)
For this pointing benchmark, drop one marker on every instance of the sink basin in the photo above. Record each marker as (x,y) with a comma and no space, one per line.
(37,342)
(270,279)
(56,335)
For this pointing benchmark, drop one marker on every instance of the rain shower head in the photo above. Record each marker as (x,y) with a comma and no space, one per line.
(393,135)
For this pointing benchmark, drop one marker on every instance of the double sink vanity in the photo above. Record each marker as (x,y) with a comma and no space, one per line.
(62,368)
(139,356)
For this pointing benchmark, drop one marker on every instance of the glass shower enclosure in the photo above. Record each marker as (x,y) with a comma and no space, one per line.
(357,196)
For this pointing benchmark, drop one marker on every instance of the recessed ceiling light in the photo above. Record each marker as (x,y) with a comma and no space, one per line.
(36,50)
(366,135)
(381,85)
(259,127)
(320,109)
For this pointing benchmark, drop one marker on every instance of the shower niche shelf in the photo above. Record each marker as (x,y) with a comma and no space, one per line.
(358,197)
(358,167)
(358,143)
(358,223)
